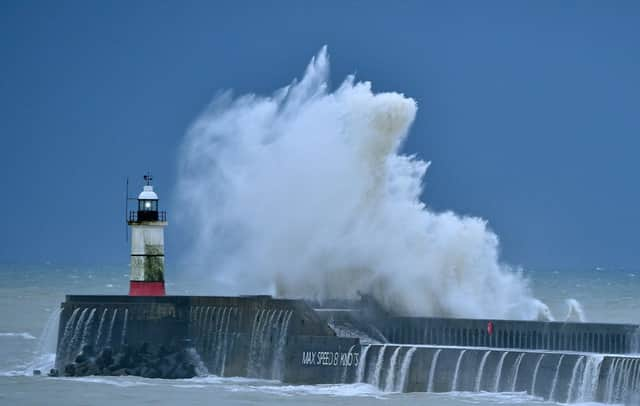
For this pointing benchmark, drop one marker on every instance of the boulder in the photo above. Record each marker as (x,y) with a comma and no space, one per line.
(167,363)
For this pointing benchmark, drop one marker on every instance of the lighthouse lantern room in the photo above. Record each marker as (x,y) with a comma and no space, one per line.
(147,244)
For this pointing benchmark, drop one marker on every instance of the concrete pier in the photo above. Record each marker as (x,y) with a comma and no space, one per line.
(558,376)
(289,340)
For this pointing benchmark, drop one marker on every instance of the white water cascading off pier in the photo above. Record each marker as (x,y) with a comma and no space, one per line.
(301,343)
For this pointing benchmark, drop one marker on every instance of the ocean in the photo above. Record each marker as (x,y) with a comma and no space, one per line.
(31,295)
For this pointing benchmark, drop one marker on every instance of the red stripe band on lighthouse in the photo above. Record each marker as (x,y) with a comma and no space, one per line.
(137,288)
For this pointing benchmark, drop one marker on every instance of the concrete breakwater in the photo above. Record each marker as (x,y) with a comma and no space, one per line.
(531,335)
(288,340)
(561,377)
(535,335)
(233,336)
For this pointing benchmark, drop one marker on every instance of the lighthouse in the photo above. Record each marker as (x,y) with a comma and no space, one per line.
(147,244)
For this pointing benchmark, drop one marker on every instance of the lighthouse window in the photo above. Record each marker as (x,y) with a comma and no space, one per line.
(148,205)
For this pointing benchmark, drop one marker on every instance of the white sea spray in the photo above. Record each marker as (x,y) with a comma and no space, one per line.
(305,193)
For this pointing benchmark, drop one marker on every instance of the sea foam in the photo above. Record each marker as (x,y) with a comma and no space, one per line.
(26,336)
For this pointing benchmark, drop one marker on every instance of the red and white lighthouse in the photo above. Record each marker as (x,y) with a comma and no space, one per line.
(147,244)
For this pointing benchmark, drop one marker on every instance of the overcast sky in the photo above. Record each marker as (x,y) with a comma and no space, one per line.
(528,110)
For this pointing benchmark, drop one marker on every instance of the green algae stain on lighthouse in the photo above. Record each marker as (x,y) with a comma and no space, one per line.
(154,263)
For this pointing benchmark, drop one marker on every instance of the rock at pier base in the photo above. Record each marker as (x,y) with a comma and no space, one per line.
(165,363)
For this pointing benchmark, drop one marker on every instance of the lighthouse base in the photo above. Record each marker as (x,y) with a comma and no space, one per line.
(137,288)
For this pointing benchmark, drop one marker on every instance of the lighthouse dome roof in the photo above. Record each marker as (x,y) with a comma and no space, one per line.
(148,193)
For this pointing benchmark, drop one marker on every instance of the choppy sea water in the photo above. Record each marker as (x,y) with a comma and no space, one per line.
(30,295)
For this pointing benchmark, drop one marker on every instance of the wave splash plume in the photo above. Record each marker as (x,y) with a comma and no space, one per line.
(305,193)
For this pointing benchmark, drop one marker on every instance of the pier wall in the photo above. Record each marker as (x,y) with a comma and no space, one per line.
(321,360)
(533,335)
(261,337)
(556,376)
(234,336)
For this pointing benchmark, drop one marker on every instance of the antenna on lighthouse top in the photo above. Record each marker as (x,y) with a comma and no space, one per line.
(126,210)
(127,215)
(147,179)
